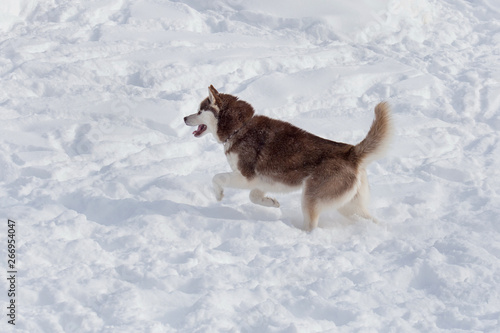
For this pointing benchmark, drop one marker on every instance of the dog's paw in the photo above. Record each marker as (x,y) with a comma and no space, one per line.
(218,189)
(258,198)
(270,202)
(219,193)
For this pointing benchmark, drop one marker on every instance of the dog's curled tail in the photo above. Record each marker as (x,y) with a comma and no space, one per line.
(377,140)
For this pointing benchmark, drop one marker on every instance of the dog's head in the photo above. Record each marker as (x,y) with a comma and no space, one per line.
(220,114)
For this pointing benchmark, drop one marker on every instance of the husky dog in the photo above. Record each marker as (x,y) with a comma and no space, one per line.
(269,155)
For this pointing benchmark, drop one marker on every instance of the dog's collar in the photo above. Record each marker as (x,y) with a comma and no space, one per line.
(236,131)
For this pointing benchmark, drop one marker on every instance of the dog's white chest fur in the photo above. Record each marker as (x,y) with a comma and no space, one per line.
(232,159)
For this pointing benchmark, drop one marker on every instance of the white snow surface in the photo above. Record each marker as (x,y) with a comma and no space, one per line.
(117,226)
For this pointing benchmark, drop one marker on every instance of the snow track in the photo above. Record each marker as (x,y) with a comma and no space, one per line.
(118,229)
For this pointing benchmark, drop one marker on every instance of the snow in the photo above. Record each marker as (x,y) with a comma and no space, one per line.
(117,226)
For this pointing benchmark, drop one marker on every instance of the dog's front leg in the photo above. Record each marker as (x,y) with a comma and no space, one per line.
(217,182)
(228,179)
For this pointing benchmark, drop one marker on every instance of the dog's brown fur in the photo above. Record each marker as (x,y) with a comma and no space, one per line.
(272,155)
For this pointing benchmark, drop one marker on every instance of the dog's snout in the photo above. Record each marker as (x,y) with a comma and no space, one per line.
(185,120)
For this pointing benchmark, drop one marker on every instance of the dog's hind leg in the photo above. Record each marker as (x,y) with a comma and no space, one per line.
(310,211)
(358,204)
(320,193)
(355,207)
(310,204)
(258,197)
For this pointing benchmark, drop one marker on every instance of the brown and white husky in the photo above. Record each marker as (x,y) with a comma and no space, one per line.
(269,155)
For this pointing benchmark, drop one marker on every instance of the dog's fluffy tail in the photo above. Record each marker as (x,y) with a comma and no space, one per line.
(377,140)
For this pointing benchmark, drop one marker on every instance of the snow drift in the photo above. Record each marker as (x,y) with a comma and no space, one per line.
(117,227)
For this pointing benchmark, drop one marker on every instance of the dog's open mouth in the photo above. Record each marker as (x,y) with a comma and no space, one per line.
(199,131)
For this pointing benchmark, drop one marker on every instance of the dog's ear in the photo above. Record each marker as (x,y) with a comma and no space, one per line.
(213,95)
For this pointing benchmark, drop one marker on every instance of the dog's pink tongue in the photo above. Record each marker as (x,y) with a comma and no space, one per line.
(200,130)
